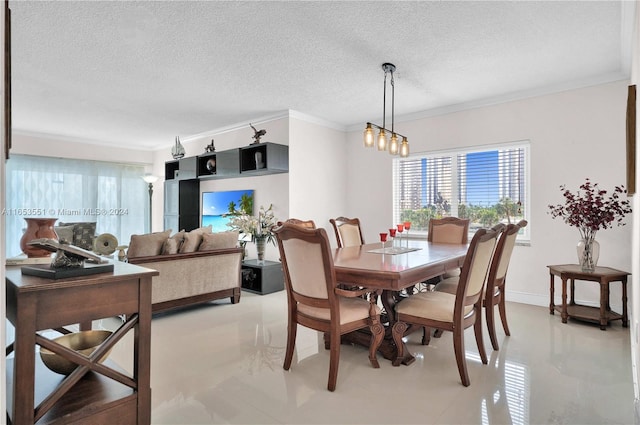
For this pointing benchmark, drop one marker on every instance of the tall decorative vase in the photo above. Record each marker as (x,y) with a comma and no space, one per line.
(37,228)
(588,253)
(260,245)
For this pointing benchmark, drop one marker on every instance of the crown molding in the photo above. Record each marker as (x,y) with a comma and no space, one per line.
(289,113)
(315,120)
(233,127)
(79,140)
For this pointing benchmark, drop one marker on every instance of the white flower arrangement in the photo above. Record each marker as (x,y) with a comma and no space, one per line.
(260,227)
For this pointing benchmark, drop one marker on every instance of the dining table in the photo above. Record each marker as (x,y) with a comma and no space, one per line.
(394,270)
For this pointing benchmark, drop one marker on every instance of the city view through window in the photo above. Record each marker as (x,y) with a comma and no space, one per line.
(488,187)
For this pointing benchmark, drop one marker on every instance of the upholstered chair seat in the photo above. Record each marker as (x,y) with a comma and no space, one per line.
(439,304)
(351,310)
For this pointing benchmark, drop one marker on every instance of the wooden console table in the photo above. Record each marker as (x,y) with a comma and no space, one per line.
(603,275)
(93,393)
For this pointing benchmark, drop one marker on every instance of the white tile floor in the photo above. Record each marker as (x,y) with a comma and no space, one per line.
(222,363)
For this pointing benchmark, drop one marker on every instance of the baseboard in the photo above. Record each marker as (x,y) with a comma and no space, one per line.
(543,300)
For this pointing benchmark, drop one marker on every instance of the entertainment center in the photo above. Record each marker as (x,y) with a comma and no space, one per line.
(183,176)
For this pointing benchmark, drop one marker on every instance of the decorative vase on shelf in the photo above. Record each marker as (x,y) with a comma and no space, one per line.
(37,228)
(588,253)
(177,151)
(260,245)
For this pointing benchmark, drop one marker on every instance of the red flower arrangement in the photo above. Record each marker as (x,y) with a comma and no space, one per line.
(590,209)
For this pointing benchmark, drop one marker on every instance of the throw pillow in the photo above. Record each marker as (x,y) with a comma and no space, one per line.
(191,241)
(205,229)
(147,245)
(179,238)
(220,240)
(65,233)
(170,246)
(83,234)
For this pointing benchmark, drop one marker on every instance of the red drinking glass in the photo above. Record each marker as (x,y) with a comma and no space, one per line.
(383,238)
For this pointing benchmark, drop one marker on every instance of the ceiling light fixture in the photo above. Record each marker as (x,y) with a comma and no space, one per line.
(393,146)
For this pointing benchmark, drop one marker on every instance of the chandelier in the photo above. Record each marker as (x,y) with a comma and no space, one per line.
(392,145)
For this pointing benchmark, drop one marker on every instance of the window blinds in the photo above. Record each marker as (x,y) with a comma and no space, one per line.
(487,186)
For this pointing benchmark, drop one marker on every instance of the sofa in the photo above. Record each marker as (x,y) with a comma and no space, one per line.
(195,267)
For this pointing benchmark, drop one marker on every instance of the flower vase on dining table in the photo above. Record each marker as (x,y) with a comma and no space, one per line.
(588,253)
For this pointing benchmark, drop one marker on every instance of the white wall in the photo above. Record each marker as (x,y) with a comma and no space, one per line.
(317,173)
(574,135)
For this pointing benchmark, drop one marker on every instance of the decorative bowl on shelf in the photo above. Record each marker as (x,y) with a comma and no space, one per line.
(84,342)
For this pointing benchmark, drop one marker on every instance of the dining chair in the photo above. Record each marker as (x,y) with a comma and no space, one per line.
(348,231)
(444,230)
(448,230)
(496,280)
(309,224)
(315,300)
(451,312)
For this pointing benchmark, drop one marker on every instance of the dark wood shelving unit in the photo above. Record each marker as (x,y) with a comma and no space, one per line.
(218,165)
(181,204)
(180,169)
(183,176)
(264,158)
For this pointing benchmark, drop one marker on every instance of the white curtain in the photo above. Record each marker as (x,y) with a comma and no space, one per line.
(113,195)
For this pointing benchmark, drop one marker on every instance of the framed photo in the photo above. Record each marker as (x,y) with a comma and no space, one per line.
(631,140)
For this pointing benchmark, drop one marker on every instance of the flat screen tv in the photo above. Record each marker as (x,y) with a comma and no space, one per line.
(216,204)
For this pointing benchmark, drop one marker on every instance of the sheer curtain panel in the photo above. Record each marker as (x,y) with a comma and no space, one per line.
(112,195)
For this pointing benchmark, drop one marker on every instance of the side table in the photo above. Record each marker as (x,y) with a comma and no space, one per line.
(262,277)
(96,393)
(603,275)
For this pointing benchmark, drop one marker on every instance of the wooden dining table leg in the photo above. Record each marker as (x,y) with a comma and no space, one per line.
(389,302)
(388,299)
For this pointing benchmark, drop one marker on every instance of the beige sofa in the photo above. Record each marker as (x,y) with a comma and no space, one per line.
(193,278)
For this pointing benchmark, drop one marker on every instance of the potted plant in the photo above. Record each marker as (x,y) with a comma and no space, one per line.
(591,209)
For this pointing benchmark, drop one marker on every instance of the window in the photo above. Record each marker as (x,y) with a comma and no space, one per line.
(113,195)
(488,185)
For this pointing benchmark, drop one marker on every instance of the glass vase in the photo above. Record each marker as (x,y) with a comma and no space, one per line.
(588,253)
(260,245)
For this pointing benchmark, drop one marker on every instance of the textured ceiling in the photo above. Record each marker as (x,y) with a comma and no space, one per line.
(139,73)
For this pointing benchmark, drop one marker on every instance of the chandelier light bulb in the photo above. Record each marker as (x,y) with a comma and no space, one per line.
(368,136)
(382,140)
(404,148)
(393,144)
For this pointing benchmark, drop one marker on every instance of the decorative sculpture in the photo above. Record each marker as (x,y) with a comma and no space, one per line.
(257,134)
(210,148)
(178,150)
